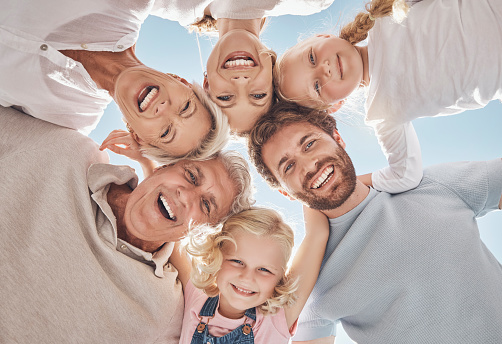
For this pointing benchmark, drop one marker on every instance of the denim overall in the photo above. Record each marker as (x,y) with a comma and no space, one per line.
(241,335)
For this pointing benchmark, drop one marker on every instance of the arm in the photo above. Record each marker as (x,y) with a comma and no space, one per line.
(182,263)
(365,179)
(402,149)
(325,340)
(307,260)
(123,143)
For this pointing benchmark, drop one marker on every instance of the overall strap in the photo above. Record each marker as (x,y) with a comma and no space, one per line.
(251,313)
(209,307)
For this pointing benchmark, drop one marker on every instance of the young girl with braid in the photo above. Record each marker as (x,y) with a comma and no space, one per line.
(442,57)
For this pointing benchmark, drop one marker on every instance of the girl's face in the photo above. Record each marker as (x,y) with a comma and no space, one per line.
(162,110)
(249,273)
(239,78)
(321,70)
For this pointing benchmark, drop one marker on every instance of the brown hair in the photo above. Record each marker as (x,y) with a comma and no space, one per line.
(279,116)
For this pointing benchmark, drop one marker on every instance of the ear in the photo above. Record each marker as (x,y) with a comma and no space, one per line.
(285,194)
(205,84)
(336,106)
(137,138)
(338,139)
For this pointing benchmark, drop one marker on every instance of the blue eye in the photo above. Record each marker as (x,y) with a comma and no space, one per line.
(224,98)
(311,57)
(192,177)
(317,88)
(288,167)
(265,270)
(237,261)
(309,144)
(166,132)
(259,96)
(207,206)
(187,105)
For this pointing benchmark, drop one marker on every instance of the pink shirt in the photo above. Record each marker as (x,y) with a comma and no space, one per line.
(267,329)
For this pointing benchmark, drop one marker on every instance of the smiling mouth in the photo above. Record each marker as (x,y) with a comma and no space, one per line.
(165,209)
(323,178)
(146,96)
(242,291)
(239,60)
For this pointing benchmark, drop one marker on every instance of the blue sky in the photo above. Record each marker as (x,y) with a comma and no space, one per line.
(472,135)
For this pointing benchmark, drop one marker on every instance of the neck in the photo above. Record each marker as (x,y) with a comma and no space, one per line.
(104,66)
(363,51)
(252,25)
(117,199)
(360,192)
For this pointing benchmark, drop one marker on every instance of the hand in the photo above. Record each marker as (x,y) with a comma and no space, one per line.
(122,142)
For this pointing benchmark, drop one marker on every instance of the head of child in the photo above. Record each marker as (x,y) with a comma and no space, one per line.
(245,263)
(323,70)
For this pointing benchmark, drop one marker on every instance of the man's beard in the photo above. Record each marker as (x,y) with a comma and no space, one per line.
(340,191)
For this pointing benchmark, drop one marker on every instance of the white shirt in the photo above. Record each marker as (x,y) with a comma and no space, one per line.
(44,83)
(444,58)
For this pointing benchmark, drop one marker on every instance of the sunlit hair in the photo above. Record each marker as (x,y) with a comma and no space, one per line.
(207,24)
(238,171)
(354,32)
(214,141)
(281,115)
(205,245)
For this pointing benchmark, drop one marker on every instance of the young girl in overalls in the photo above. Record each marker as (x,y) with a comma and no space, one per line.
(241,290)
(443,58)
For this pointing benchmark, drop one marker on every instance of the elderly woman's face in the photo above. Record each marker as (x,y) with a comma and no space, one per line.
(239,78)
(162,110)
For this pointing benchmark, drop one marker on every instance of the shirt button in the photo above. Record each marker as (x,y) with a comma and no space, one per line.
(83,45)
(123,246)
(120,46)
(44,47)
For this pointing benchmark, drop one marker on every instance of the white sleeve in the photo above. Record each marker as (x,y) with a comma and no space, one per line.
(402,150)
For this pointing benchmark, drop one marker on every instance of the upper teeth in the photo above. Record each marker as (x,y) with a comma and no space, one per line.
(169,211)
(323,178)
(243,290)
(148,98)
(239,62)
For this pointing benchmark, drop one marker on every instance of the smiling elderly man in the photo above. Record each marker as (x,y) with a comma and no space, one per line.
(405,268)
(84,250)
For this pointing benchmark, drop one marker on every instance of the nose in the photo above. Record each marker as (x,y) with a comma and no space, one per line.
(325,70)
(246,274)
(308,165)
(160,108)
(241,79)
(187,195)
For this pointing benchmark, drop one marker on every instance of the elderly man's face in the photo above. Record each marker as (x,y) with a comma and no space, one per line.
(163,205)
(311,165)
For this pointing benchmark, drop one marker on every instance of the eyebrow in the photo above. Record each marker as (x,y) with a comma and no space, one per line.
(286,157)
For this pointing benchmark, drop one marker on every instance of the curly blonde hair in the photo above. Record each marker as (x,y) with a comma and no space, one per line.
(205,244)
(354,32)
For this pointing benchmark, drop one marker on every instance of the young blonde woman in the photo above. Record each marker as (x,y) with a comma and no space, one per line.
(241,290)
(441,59)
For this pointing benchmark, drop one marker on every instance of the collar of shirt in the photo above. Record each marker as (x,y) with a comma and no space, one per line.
(99,178)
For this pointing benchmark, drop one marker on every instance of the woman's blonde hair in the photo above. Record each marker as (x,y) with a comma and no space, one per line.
(214,141)
(354,32)
(205,245)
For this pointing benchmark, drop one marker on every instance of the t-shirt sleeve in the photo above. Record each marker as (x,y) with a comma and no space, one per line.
(311,326)
(477,183)
(401,148)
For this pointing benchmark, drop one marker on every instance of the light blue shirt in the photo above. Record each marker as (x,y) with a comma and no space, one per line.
(411,267)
